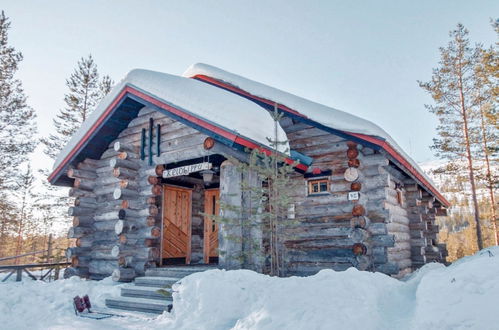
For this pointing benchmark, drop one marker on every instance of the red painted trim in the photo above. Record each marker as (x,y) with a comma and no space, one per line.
(127,89)
(367,138)
(394,153)
(87,135)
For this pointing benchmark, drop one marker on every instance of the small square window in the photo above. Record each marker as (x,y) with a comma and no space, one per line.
(318,186)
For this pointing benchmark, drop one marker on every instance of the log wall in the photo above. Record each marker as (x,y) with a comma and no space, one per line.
(117,212)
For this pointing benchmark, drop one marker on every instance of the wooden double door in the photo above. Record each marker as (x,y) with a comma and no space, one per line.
(177,227)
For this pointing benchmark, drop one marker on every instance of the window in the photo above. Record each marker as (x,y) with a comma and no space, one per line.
(318,186)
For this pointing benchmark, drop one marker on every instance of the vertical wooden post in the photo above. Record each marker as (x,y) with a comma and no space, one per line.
(19,274)
(49,248)
(230,231)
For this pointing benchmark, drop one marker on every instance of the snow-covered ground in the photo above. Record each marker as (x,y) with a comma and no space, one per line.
(461,296)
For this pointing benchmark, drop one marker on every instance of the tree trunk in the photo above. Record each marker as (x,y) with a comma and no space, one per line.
(470,166)
(489,181)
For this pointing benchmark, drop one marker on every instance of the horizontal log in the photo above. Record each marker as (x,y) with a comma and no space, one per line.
(106,190)
(123,274)
(84,242)
(71,271)
(123,227)
(129,214)
(81,174)
(383,240)
(113,215)
(148,242)
(104,254)
(149,253)
(124,163)
(387,268)
(128,184)
(377,229)
(105,267)
(359,235)
(104,225)
(120,193)
(125,173)
(121,147)
(77,211)
(84,184)
(143,233)
(83,221)
(76,251)
(77,232)
(80,261)
(75,192)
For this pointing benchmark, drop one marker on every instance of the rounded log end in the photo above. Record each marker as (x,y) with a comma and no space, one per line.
(69,253)
(155,232)
(118,227)
(123,274)
(117,193)
(122,239)
(355,186)
(353,163)
(117,146)
(70,173)
(71,232)
(352,153)
(113,162)
(156,190)
(116,172)
(359,222)
(152,180)
(359,249)
(358,210)
(115,251)
(208,143)
(159,170)
(122,214)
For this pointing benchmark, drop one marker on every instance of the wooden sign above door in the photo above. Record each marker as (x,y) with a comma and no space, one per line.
(186,170)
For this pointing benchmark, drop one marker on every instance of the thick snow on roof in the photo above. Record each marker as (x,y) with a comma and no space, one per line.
(212,104)
(317,112)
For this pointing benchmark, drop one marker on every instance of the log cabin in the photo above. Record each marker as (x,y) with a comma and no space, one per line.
(156,156)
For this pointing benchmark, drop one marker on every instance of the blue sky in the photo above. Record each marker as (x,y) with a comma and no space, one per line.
(363,57)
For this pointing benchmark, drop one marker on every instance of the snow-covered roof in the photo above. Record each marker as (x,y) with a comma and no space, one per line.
(214,105)
(324,115)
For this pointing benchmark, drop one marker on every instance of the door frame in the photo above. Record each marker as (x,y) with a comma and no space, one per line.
(206,245)
(189,226)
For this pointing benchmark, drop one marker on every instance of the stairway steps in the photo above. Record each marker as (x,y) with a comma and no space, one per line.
(139,304)
(143,297)
(176,271)
(156,281)
(146,292)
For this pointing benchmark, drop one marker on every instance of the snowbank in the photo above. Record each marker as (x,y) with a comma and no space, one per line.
(461,296)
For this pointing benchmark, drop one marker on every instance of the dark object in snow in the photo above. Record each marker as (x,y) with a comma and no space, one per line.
(82,304)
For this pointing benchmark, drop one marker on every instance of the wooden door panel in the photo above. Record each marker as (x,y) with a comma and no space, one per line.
(211,207)
(176,241)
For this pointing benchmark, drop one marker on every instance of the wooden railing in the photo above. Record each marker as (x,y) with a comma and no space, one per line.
(19,269)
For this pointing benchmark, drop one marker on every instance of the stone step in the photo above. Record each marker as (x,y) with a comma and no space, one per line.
(139,304)
(180,271)
(156,281)
(146,292)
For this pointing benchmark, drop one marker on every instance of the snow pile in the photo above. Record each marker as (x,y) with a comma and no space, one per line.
(461,296)
(212,104)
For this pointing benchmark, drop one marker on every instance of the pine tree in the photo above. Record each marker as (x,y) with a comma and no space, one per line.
(85,92)
(487,96)
(25,196)
(452,90)
(17,119)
